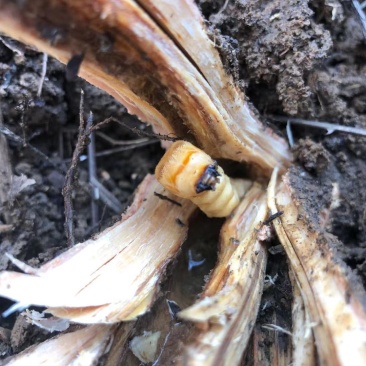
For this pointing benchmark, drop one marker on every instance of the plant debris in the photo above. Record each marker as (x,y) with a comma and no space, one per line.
(298,302)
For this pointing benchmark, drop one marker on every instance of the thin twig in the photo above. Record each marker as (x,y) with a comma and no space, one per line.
(14,46)
(70,175)
(23,125)
(43,74)
(156,362)
(86,130)
(272,217)
(359,9)
(223,8)
(18,140)
(60,144)
(113,141)
(18,306)
(290,136)
(134,130)
(92,172)
(330,127)
(98,190)
(165,198)
(121,148)
(5,170)
(107,197)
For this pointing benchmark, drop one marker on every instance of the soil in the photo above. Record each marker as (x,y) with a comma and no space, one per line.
(292,58)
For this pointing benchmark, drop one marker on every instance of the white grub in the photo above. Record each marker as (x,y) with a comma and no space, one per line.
(229,303)
(115,276)
(83,347)
(330,297)
(190,173)
(145,346)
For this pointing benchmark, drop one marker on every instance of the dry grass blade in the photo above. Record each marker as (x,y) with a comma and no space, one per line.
(226,313)
(115,276)
(127,54)
(335,308)
(83,347)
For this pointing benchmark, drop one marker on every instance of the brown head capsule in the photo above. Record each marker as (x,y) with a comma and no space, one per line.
(188,172)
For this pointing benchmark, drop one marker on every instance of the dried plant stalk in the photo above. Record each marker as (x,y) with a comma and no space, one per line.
(269,348)
(270,343)
(83,347)
(258,355)
(127,54)
(115,276)
(276,343)
(303,346)
(119,345)
(226,313)
(190,34)
(335,309)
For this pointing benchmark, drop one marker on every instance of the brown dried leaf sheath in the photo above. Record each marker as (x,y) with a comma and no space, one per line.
(336,311)
(115,276)
(131,57)
(229,304)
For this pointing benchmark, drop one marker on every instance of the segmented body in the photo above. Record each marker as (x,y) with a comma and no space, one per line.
(190,173)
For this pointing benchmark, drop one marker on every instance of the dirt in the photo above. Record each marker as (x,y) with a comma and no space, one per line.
(49,123)
(294,58)
(281,49)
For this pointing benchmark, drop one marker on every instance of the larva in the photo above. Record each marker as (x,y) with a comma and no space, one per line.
(188,172)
